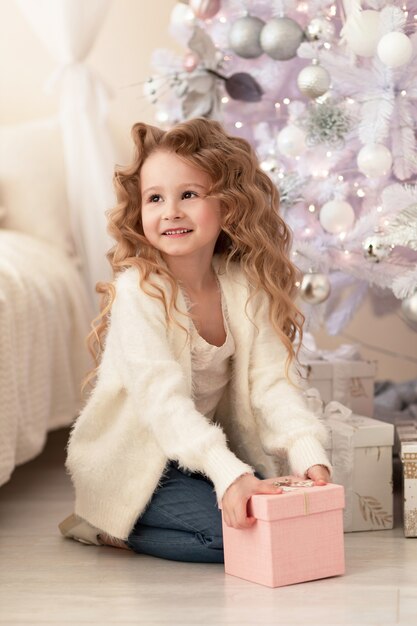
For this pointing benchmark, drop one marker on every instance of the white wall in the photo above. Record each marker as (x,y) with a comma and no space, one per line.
(133,28)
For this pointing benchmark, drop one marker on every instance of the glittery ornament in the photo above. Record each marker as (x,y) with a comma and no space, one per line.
(315,288)
(375,250)
(320,29)
(409,307)
(313,81)
(190,61)
(374,160)
(244,37)
(281,37)
(205,9)
(336,216)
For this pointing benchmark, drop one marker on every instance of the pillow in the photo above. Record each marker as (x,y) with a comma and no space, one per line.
(32,181)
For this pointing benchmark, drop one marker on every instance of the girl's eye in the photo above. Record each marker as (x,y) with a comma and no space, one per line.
(152,198)
(189,192)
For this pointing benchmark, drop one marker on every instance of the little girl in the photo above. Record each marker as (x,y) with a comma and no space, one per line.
(197,404)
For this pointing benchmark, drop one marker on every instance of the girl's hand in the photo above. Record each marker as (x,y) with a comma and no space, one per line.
(319,473)
(236,497)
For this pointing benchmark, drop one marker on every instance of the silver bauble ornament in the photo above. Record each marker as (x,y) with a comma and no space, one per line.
(409,307)
(244,37)
(315,288)
(374,250)
(313,81)
(281,37)
(320,29)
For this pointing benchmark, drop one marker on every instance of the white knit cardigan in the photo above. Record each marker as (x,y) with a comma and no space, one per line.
(140,413)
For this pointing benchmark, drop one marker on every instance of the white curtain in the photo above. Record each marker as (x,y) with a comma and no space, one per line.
(68,29)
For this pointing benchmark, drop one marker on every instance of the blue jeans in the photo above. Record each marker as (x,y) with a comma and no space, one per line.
(182,521)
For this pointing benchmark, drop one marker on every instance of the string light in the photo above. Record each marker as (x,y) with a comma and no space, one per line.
(327,45)
(312,208)
(328,154)
(307,231)
(225,100)
(386,222)
(403,93)
(238,124)
(342,236)
(346,252)
(340,177)
(286,100)
(333,10)
(360,193)
(277,105)
(379,209)
(222,19)
(297,283)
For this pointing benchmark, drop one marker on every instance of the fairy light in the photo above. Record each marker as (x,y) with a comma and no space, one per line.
(350,100)
(379,209)
(333,10)
(307,231)
(302,7)
(356,184)
(360,193)
(162,116)
(346,252)
(312,208)
(342,236)
(403,92)
(238,124)
(281,175)
(297,158)
(327,45)
(277,105)
(297,282)
(329,154)
(340,178)
(324,173)
(227,57)
(225,100)
(386,222)
(286,100)
(222,19)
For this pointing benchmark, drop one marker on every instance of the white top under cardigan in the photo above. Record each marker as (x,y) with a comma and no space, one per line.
(210,365)
(141,414)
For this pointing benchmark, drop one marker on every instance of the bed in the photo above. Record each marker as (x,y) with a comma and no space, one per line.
(45,311)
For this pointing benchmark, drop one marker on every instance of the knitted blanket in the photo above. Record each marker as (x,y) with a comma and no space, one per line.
(44,319)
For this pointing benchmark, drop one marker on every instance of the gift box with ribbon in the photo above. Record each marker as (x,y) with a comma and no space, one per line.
(297,536)
(360,450)
(407,435)
(340,375)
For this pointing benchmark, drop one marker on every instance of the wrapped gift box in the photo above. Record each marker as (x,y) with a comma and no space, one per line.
(340,375)
(348,382)
(361,455)
(407,434)
(297,536)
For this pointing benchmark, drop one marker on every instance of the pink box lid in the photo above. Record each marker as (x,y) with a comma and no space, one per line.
(296,503)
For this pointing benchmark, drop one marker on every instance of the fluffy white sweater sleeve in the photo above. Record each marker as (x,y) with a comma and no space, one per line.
(157,385)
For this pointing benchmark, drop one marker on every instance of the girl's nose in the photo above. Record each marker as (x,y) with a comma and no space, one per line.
(171,211)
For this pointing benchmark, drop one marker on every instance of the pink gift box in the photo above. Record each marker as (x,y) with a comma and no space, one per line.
(297,536)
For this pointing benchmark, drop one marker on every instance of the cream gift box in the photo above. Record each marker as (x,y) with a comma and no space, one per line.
(407,434)
(340,375)
(297,536)
(360,450)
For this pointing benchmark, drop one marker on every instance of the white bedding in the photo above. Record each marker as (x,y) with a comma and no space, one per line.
(44,319)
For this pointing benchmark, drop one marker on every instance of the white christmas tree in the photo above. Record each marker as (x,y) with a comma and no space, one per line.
(326,92)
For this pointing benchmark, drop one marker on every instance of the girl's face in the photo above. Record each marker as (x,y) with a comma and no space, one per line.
(172,192)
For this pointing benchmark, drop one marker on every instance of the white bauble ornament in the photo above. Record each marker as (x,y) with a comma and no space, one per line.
(182,15)
(337,216)
(409,307)
(395,49)
(280,38)
(320,29)
(204,9)
(362,32)
(291,141)
(244,37)
(315,288)
(374,160)
(313,81)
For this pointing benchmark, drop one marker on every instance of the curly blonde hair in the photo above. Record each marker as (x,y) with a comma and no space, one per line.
(253,233)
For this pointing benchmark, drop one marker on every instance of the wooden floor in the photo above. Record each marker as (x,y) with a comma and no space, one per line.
(46,579)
